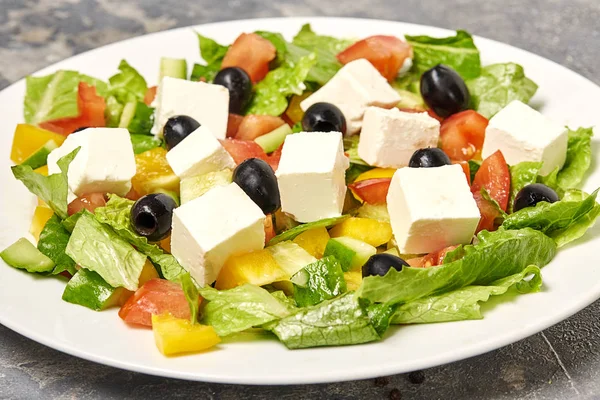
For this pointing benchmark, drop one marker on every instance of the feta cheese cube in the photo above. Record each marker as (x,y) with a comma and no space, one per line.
(355,87)
(390,137)
(311,175)
(206,103)
(211,228)
(523,134)
(105,162)
(431,208)
(198,154)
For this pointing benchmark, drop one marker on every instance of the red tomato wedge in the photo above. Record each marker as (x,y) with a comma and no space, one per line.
(89,201)
(253,126)
(252,53)
(233,124)
(386,53)
(150,95)
(91,112)
(462,135)
(241,150)
(156,297)
(372,191)
(494,176)
(431,259)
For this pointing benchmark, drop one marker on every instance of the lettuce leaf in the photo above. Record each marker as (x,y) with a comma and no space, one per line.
(53,243)
(271,93)
(458,52)
(128,84)
(463,304)
(240,308)
(292,233)
(142,143)
(521,175)
(318,281)
(212,53)
(495,256)
(99,248)
(142,121)
(87,288)
(579,158)
(564,221)
(351,148)
(191,295)
(278,42)
(52,189)
(55,96)
(498,85)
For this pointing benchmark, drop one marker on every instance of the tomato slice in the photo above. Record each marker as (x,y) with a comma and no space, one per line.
(233,124)
(91,108)
(386,53)
(432,259)
(462,135)
(156,297)
(372,191)
(89,201)
(150,95)
(253,126)
(252,53)
(241,150)
(494,176)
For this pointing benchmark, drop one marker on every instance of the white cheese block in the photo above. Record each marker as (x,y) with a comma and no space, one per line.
(355,87)
(431,208)
(211,228)
(523,134)
(311,175)
(105,163)
(198,154)
(206,103)
(390,137)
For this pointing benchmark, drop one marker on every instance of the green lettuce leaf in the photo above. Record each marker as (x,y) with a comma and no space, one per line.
(458,52)
(463,304)
(212,53)
(336,322)
(52,189)
(191,295)
(127,85)
(87,288)
(564,221)
(205,72)
(271,93)
(498,85)
(113,111)
(97,247)
(142,120)
(321,280)
(474,166)
(142,143)
(521,175)
(579,158)
(351,148)
(292,233)
(240,308)
(55,96)
(495,256)
(53,243)
(116,214)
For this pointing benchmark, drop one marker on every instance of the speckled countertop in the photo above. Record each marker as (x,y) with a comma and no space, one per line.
(562,362)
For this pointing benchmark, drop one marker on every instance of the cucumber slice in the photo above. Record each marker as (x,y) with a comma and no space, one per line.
(88,289)
(173,67)
(127,114)
(290,256)
(24,255)
(196,186)
(40,157)
(272,140)
(351,253)
(378,212)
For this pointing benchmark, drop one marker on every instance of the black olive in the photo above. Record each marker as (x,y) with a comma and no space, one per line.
(444,91)
(178,128)
(151,216)
(258,181)
(532,194)
(380,264)
(428,158)
(323,117)
(238,82)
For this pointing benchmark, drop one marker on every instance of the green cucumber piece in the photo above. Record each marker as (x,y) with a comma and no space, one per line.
(127,114)
(87,288)
(291,257)
(272,140)
(40,157)
(173,67)
(378,212)
(351,253)
(24,255)
(195,186)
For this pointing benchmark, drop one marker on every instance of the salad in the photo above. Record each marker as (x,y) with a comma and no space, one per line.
(318,190)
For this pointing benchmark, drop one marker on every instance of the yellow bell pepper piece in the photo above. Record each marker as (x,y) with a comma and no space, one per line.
(257,268)
(28,139)
(313,241)
(153,172)
(42,170)
(376,173)
(368,230)
(353,279)
(177,336)
(40,217)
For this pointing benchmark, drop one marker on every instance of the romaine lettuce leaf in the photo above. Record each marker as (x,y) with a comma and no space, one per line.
(463,304)
(53,243)
(564,221)
(52,189)
(521,175)
(55,96)
(351,148)
(458,52)
(212,53)
(579,158)
(321,280)
(271,93)
(142,121)
(498,85)
(240,308)
(292,233)
(99,248)
(142,143)
(127,85)
(191,295)
(87,288)
(495,256)
(113,111)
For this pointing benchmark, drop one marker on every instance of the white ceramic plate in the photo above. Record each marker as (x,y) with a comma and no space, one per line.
(33,306)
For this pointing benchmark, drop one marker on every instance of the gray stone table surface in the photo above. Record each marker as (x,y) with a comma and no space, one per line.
(562,362)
